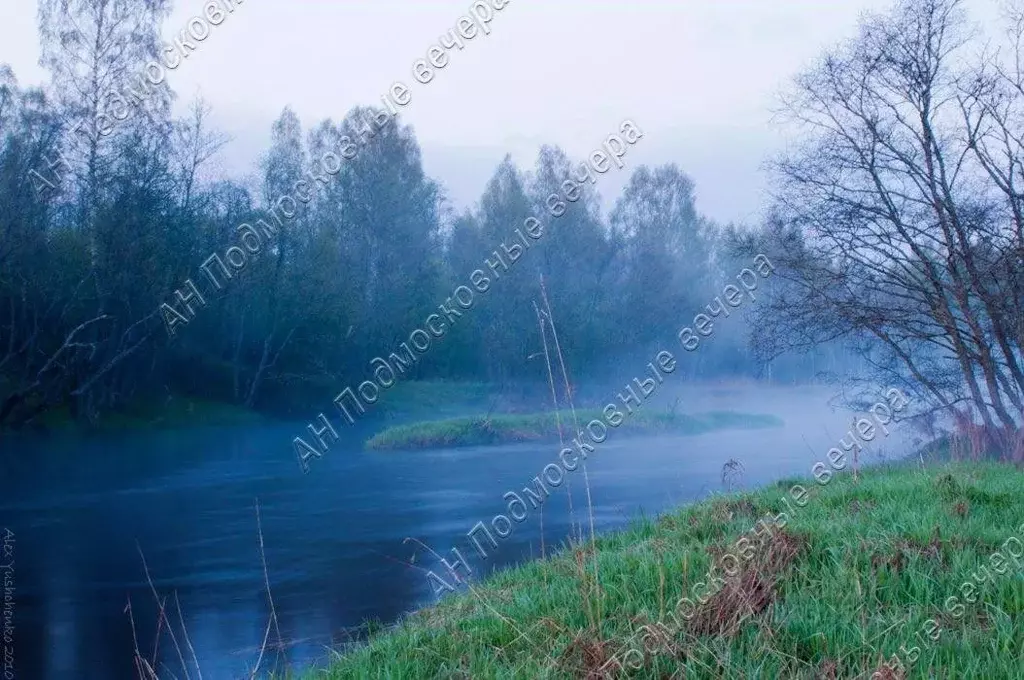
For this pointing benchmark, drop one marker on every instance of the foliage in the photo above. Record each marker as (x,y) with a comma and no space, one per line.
(128,218)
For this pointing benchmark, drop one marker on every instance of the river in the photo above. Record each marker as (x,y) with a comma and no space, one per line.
(81,510)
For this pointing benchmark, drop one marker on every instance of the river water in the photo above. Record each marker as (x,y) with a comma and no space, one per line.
(82,511)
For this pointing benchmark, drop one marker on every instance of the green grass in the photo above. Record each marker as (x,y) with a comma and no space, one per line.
(508,428)
(854,575)
(945,449)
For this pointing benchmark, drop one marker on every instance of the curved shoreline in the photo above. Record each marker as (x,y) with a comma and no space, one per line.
(517,428)
(898,526)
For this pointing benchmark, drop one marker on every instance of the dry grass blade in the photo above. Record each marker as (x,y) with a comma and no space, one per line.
(558,423)
(272,620)
(184,632)
(163,615)
(135,641)
(749,592)
(578,432)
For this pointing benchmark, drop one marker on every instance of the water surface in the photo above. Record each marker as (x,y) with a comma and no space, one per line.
(82,510)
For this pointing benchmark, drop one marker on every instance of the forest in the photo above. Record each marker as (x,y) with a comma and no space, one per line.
(896,224)
(102,225)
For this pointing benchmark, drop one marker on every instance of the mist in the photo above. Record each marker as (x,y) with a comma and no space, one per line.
(300,302)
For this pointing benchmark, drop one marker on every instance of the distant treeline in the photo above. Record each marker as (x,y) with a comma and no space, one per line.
(98,229)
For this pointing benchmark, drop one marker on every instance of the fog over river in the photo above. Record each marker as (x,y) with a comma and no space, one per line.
(333,538)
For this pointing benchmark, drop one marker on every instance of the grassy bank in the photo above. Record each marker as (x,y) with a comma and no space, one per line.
(174,413)
(856,572)
(504,429)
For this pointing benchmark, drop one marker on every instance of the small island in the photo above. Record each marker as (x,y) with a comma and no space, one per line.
(514,428)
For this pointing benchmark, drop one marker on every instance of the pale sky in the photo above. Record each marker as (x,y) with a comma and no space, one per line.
(699,78)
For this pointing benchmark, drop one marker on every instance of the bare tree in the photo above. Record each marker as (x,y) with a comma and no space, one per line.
(197,143)
(890,226)
(94,49)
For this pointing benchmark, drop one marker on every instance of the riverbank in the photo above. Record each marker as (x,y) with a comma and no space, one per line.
(177,412)
(922,569)
(514,428)
(410,400)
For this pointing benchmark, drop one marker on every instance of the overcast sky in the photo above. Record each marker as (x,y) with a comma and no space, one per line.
(698,77)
